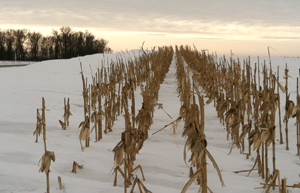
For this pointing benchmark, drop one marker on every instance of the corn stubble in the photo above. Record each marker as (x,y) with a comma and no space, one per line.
(66,116)
(75,166)
(48,156)
(193,115)
(148,73)
(245,107)
(112,93)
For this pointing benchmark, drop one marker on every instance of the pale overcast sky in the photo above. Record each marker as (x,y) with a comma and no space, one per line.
(247,27)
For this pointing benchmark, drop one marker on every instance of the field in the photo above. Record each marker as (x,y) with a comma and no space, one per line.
(162,154)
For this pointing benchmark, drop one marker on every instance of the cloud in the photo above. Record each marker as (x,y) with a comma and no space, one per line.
(152,34)
(231,18)
(280,38)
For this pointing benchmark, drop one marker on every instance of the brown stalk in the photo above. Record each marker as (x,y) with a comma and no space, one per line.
(59,183)
(75,166)
(48,155)
(279,112)
(298,119)
(193,115)
(286,111)
(39,125)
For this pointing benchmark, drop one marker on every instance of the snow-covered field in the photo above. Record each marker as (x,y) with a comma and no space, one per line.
(161,157)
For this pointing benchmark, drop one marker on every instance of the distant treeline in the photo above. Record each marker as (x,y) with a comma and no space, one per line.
(23,45)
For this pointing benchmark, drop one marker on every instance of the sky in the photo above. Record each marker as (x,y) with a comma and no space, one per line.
(224,26)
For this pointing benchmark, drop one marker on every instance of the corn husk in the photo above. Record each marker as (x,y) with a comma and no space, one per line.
(289,107)
(256,141)
(265,135)
(245,131)
(119,151)
(46,161)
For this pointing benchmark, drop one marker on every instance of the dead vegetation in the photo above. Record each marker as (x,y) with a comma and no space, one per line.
(48,156)
(245,107)
(245,102)
(192,112)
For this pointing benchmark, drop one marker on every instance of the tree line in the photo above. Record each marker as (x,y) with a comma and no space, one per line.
(23,45)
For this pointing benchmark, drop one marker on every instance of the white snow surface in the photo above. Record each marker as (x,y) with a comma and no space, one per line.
(161,157)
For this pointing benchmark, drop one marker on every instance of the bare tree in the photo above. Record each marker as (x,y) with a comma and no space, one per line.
(20,38)
(66,34)
(2,45)
(24,45)
(34,39)
(9,40)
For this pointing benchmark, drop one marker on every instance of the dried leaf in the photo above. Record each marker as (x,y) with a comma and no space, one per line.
(63,125)
(296,185)
(175,124)
(281,87)
(229,114)
(252,134)
(119,151)
(231,122)
(46,161)
(209,101)
(265,135)
(235,128)
(84,134)
(196,175)
(289,109)
(296,110)
(256,142)
(182,111)
(184,152)
(215,166)
(245,130)
(139,145)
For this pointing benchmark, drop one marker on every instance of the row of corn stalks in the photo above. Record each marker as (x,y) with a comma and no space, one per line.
(245,105)
(112,93)
(137,125)
(192,113)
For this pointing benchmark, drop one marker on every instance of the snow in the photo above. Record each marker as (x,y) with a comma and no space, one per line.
(161,157)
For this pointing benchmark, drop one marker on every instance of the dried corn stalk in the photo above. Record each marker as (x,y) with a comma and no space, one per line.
(74,167)
(125,154)
(148,73)
(84,134)
(67,113)
(193,114)
(39,124)
(288,107)
(48,155)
